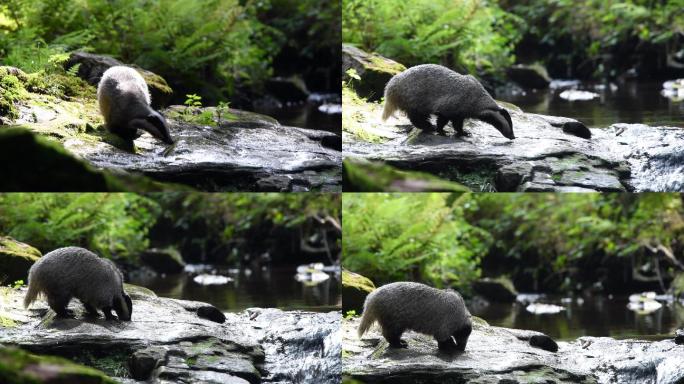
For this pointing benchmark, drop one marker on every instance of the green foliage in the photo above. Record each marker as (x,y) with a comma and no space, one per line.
(107,223)
(18,284)
(193,101)
(589,31)
(350,314)
(468,35)
(394,237)
(441,238)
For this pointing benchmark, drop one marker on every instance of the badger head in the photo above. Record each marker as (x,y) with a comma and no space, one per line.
(500,119)
(123,306)
(155,124)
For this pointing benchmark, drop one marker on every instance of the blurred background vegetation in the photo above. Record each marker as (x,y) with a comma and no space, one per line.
(214,228)
(219,49)
(543,242)
(585,39)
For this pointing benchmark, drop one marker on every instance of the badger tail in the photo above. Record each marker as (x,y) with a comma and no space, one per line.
(390,108)
(33,291)
(367,319)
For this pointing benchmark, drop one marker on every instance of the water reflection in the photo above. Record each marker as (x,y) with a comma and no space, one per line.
(593,316)
(267,288)
(630,102)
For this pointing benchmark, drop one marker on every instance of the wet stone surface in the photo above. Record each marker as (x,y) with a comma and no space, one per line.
(167,342)
(623,157)
(500,355)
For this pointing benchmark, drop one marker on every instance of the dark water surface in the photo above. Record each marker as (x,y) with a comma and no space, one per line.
(631,102)
(269,288)
(308,114)
(596,316)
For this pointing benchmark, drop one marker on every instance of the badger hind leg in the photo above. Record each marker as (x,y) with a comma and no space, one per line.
(457,122)
(58,303)
(421,121)
(441,122)
(393,336)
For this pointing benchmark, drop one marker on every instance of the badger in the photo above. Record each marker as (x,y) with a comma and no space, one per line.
(402,306)
(125,104)
(71,272)
(431,89)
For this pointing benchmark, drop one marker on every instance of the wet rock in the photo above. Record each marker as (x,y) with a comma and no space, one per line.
(212,313)
(500,355)
(360,175)
(288,89)
(623,157)
(500,289)
(544,309)
(144,361)
(374,71)
(246,151)
(577,128)
(679,336)
(544,342)
(655,155)
(92,66)
(529,76)
(16,258)
(207,279)
(50,168)
(166,342)
(18,366)
(167,260)
(355,288)
(299,347)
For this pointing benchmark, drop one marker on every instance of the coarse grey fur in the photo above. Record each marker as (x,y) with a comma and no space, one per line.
(125,104)
(71,272)
(431,89)
(402,306)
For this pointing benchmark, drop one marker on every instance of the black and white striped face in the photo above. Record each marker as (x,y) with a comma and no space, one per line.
(123,306)
(159,129)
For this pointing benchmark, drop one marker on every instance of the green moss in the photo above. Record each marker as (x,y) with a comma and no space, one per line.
(478,179)
(60,85)
(20,367)
(556,176)
(678,285)
(380,63)
(113,363)
(353,114)
(156,81)
(355,288)
(364,176)
(11,91)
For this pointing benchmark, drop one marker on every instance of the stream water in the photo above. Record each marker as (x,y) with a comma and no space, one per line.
(268,288)
(321,111)
(630,102)
(592,316)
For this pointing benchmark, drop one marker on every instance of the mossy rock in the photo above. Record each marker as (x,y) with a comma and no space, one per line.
(31,163)
(532,76)
(167,260)
(361,175)
(16,258)
(20,367)
(374,71)
(355,288)
(11,92)
(498,289)
(678,285)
